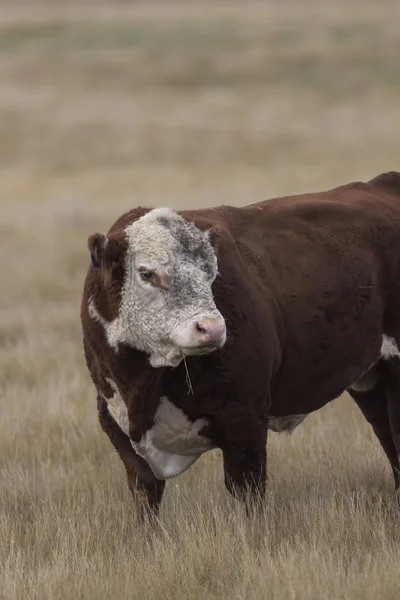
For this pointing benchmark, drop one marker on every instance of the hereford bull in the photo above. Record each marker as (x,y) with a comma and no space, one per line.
(204,328)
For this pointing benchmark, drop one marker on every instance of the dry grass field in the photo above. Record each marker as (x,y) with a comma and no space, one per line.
(104,108)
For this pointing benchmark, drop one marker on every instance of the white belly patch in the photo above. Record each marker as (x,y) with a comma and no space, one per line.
(172,445)
(368,380)
(288,424)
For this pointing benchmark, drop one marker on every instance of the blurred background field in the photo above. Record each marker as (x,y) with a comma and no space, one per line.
(107,106)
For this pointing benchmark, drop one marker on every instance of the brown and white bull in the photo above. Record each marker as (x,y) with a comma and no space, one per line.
(203,329)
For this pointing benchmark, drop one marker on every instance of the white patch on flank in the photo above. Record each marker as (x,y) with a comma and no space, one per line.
(172,445)
(389,348)
(288,424)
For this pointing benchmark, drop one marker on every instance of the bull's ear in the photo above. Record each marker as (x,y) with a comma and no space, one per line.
(106,251)
(97,244)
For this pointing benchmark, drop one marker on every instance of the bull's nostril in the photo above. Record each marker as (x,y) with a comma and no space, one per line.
(200,329)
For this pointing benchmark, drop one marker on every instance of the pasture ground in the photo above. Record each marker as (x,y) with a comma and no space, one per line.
(104,108)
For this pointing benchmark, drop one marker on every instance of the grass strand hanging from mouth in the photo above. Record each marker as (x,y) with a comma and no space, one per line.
(188,380)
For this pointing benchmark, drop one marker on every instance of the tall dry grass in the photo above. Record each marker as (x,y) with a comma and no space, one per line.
(165,104)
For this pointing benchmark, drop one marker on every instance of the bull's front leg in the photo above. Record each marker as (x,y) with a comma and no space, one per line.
(144,486)
(245,456)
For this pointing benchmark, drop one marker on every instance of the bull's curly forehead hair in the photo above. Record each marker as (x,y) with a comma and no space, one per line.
(163,230)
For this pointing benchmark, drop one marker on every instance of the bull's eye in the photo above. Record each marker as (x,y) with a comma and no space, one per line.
(147,275)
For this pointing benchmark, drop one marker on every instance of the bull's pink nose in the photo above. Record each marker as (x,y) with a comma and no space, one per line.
(210,331)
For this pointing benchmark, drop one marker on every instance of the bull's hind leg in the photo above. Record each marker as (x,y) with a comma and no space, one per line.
(391,378)
(373,404)
(141,480)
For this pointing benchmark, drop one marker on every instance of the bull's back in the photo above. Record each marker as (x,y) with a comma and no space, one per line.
(346,227)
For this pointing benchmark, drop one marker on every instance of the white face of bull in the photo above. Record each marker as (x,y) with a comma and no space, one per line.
(167,307)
